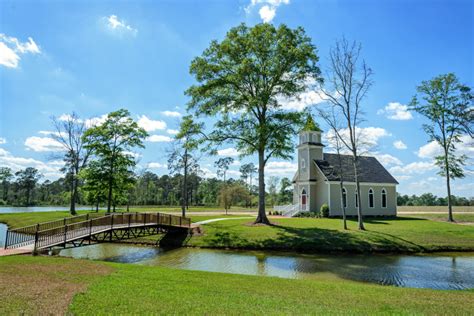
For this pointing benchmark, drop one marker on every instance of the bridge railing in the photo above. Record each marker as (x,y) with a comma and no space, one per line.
(51,233)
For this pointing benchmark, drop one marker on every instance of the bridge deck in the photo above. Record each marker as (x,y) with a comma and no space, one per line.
(87,227)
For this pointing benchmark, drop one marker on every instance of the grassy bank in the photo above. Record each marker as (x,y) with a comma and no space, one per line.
(404,234)
(105,288)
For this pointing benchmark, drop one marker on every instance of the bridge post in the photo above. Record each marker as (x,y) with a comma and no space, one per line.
(144,219)
(111,226)
(180,221)
(6,239)
(36,238)
(87,216)
(90,231)
(65,233)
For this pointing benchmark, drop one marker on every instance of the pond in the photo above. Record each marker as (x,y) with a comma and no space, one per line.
(15,209)
(453,271)
(3,234)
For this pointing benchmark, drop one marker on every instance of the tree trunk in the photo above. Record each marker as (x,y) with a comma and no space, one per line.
(97,206)
(360,220)
(448,186)
(72,208)
(184,192)
(342,204)
(262,216)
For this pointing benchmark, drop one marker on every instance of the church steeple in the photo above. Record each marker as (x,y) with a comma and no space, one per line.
(311,133)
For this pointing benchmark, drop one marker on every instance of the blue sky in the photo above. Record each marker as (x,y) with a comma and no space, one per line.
(93,57)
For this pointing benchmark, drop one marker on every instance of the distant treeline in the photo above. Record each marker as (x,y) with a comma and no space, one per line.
(428,199)
(24,188)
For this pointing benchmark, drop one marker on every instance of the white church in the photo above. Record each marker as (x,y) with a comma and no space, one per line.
(317,182)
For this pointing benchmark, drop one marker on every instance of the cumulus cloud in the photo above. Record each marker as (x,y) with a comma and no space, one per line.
(11,48)
(159,139)
(268,8)
(398,144)
(150,125)
(3,140)
(171,113)
(300,102)
(368,137)
(172,131)
(433,149)
(207,173)
(280,168)
(117,25)
(157,165)
(388,160)
(228,152)
(418,167)
(43,144)
(396,111)
(50,170)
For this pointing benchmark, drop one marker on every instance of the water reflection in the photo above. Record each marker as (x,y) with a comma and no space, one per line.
(3,234)
(438,272)
(30,209)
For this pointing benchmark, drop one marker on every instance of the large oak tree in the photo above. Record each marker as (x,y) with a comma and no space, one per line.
(241,82)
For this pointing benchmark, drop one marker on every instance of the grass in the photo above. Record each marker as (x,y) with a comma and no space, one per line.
(458,218)
(440,209)
(403,234)
(141,290)
(33,285)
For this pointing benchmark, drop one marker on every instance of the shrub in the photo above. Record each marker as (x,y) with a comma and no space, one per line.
(324,211)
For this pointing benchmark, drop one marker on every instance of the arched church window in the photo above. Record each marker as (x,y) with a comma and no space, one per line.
(371,197)
(384,198)
(303,163)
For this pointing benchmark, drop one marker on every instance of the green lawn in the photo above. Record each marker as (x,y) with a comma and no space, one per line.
(404,234)
(97,288)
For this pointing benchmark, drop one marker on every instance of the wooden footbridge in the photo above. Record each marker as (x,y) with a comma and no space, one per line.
(90,228)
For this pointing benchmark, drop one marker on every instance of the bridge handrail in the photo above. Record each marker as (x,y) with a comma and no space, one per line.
(41,233)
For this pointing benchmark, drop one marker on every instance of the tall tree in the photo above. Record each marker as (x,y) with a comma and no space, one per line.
(182,159)
(241,82)
(6,175)
(110,142)
(448,105)
(69,133)
(347,83)
(222,165)
(26,181)
(247,171)
(286,191)
(272,189)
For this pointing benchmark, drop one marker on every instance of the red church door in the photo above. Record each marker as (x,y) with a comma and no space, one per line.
(303,200)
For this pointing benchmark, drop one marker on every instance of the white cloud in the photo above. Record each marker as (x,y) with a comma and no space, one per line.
(207,173)
(11,48)
(388,160)
(3,140)
(115,24)
(398,144)
(171,113)
(307,98)
(156,165)
(279,168)
(433,149)
(228,152)
(159,139)
(172,131)
(267,9)
(150,125)
(50,170)
(94,121)
(396,111)
(267,13)
(418,167)
(42,144)
(367,137)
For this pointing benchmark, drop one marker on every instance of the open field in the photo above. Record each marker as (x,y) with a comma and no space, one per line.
(434,209)
(106,288)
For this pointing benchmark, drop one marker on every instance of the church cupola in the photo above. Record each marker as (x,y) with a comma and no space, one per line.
(310,146)
(311,133)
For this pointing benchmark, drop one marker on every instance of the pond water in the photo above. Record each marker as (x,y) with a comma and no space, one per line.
(453,271)
(14,209)
(3,234)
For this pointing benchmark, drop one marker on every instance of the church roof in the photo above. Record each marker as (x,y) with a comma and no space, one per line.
(370,169)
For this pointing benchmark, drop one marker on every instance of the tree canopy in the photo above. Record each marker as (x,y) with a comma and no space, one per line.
(242,80)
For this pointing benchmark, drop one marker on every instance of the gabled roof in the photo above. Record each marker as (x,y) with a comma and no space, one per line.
(370,169)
